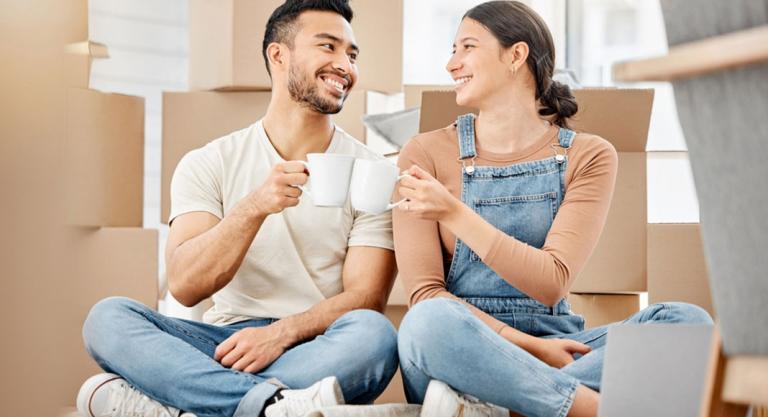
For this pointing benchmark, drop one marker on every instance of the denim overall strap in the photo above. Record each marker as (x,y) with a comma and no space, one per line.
(565,139)
(466,126)
(467,152)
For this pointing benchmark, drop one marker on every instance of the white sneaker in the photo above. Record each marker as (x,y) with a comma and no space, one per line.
(442,401)
(299,402)
(378,410)
(109,395)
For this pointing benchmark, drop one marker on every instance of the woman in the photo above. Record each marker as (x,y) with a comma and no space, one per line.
(503,211)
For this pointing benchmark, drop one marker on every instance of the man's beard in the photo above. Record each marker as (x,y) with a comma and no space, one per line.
(305,92)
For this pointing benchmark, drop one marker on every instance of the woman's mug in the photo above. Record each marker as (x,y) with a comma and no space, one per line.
(329,175)
(373,182)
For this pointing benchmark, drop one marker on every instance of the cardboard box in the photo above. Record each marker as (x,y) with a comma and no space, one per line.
(79,57)
(378,27)
(438,109)
(190,120)
(32,131)
(602,309)
(621,116)
(677,270)
(413,93)
(225,42)
(102,262)
(104,159)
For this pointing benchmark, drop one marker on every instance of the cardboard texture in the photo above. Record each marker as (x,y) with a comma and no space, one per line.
(225,42)
(618,263)
(34,116)
(655,370)
(378,27)
(104,159)
(677,270)
(395,392)
(621,116)
(413,93)
(102,262)
(602,309)
(78,59)
(225,38)
(190,120)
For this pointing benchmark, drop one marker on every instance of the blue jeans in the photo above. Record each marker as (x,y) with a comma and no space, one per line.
(441,339)
(171,360)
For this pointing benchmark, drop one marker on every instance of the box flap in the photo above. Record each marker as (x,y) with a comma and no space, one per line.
(90,48)
(621,116)
(439,109)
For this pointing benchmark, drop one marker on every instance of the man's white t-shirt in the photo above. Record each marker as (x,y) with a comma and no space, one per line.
(296,258)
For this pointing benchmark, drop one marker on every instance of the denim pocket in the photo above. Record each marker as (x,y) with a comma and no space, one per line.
(527,218)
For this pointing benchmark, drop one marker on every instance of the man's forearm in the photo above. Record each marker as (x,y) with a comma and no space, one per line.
(316,320)
(206,263)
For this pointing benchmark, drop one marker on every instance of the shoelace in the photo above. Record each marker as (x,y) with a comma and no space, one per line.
(129,402)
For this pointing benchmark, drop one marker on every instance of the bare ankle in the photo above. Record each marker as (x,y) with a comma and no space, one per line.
(585,404)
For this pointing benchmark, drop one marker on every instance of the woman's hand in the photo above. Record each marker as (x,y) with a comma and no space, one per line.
(428,199)
(557,352)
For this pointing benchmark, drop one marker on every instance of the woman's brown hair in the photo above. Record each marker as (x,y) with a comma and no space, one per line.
(512,22)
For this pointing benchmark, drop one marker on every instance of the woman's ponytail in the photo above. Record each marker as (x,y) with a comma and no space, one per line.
(558,101)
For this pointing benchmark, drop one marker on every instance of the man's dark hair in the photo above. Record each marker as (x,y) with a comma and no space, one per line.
(281,26)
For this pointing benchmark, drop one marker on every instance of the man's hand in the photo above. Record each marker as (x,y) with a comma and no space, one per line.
(280,190)
(557,352)
(252,349)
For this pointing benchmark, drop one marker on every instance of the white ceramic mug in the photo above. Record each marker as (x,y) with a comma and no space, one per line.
(373,182)
(329,176)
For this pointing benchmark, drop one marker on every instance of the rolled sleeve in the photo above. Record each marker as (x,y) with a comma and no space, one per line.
(372,230)
(196,185)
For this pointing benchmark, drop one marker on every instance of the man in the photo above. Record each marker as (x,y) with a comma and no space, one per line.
(297,289)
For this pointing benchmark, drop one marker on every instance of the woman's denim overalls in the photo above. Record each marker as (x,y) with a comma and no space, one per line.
(522,201)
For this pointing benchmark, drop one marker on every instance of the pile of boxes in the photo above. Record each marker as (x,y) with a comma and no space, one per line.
(108,251)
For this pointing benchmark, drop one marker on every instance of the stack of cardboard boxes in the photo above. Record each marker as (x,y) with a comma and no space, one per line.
(108,251)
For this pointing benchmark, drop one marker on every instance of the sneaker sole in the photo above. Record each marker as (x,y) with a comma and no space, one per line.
(87,390)
(330,391)
(441,401)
